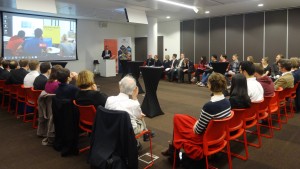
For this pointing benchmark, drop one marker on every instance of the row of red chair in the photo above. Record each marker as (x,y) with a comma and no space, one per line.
(219,133)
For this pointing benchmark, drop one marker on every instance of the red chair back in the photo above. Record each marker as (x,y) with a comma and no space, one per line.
(7,87)
(87,116)
(14,89)
(32,96)
(283,94)
(215,134)
(21,91)
(237,121)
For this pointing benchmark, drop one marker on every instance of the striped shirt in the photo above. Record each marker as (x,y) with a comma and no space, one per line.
(217,108)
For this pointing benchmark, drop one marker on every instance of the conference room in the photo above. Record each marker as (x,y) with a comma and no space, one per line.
(75,34)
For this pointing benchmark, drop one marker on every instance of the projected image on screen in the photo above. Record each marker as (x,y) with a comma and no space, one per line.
(38,37)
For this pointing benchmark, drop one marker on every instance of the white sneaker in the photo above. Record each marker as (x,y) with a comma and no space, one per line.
(202,85)
(193,79)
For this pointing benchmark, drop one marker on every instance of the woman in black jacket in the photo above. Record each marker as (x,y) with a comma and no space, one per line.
(239,98)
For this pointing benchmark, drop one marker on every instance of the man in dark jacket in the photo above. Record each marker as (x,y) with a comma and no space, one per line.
(18,75)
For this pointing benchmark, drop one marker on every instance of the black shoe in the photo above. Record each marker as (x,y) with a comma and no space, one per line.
(146,136)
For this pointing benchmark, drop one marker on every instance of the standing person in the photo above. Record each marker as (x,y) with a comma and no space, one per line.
(265,81)
(35,46)
(200,69)
(275,73)
(89,94)
(106,53)
(239,98)
(14,44)
(266,66)
(34,72)
(40,81)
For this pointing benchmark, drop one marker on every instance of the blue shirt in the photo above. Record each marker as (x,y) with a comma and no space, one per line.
(33,46)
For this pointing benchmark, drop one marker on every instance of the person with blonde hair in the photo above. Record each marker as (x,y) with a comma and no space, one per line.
(88,94)
(250,59)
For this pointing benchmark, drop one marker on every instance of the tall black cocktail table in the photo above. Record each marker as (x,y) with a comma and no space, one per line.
(134,69)
(151,76)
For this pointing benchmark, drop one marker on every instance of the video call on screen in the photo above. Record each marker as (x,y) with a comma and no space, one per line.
(38,37)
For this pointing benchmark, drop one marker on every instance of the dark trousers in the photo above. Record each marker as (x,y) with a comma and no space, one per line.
(197,74)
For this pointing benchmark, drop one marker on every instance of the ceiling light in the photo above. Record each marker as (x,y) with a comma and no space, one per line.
(260,5)
(207,12)
(168,17)
(179,4)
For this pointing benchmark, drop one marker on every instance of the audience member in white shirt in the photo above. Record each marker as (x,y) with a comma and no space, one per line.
(255,90)
(34,72)
(132,106)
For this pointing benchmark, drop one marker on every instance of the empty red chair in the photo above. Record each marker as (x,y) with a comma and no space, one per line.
(87,115)
(12,95)
(235,130)
(31,101)
(214,139)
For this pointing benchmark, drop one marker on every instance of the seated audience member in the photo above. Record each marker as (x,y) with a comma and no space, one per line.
(296,73)
(5,74)
(173,70)
(18,75)
(34,72)
(266,66)
(88,94)
(188,68)
(150,60)
(234,65)
(128,87)
(295,69)
(167,62)
(65,90)
(250,59)
(287,79)
(13,64)
(239,98)
(208,71)
(274,68)
(156,61)
(255,90)
(223,58)
(1,67)
(40,81)
(265,81)
(180,68)
(188,131)
(200,68)
(52,83)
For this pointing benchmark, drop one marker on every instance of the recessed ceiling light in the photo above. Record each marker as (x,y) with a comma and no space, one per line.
(260,5)
(207,12)
(168,17)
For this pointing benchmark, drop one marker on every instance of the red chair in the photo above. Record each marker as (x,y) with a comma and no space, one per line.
(21,98)
(264,114)
(148,132)
(273,109)
(12,95)
(292,98)
(5,94)
(2,82)
(250,121)
(214,139)
(86,119)
(285,93)
(235,130)
(31,101)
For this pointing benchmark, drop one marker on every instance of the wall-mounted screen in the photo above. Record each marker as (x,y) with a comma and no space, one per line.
(38,37)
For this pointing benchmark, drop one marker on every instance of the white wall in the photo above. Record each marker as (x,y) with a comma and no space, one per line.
(90,41)
(171,33)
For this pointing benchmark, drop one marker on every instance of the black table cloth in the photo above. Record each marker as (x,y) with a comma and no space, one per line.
(134,69)
(151,76)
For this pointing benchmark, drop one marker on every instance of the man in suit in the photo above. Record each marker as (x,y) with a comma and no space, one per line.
(5,73)
(18,75)
(150,60)
(296,73)
(274,68)
(180,68)
(106,54)
(287,79)
(173,65)
(40,81)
